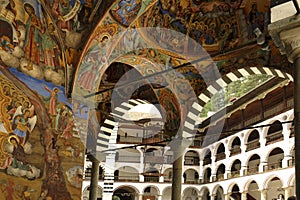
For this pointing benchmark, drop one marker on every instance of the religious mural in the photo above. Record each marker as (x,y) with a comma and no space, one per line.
(52,47)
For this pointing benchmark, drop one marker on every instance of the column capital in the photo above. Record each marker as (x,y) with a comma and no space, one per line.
(291,41)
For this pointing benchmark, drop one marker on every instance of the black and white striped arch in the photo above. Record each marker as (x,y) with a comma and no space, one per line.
(193,116)
(109,124)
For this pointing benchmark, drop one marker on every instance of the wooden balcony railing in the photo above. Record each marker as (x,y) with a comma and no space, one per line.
(196,144)
(220,177)
(127,178)
(132,159)
(252,170)
(191,160)
(220,156)
(273,166)
(129,140)
(274,137)
(206,180)
(235,151)
(155,159)
(191,181)
(234,174)
(254,144)
(207,161)
(151,178)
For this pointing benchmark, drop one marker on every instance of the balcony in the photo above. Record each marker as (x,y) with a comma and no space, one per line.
(196,144)
(191,181)
(129,140)
(207,161)
(155,159)
(235,151)
(234,174)
(274,137)
(131,159)
(126,178)
(272,166)
(251,170)
(254,144)
(191,160)
(220,177)
(151,177)
(220,156)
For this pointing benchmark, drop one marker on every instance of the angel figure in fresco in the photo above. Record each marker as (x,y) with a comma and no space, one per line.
(23,123)
(32,43)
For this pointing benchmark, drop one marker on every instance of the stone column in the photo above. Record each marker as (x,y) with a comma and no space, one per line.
(159,197)
(94,178)
(291,40)
(140,196)
(244,195)
(227,196)
(287,192)
(263,194)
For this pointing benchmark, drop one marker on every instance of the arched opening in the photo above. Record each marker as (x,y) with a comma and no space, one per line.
(191,158)
(275,159)
(274,133)
(86,193)
(235,147)
(151,175)
(207,175)
(6,36)
(153,156)
(126,174)
(125,193)
(150,193)
(128,155)
(235,169)
(253,164)
(191,176)
(167,193)
(190,194)
(220,172)
(206,194)
(207,158)
(220,155)
(253,192)
(168,175)
(253,141)
(235,193)
(273,191)
(220,194)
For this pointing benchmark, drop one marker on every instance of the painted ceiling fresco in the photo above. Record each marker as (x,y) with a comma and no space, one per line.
(60,61)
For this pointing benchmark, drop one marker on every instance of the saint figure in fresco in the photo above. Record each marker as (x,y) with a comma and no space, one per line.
(87,78)
(53,100)
(126,10)
(32,44)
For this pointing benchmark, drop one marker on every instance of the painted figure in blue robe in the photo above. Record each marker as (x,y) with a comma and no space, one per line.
(125,7)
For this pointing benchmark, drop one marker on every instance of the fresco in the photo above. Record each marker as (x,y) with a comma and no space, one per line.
(216,25)
(37,163)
